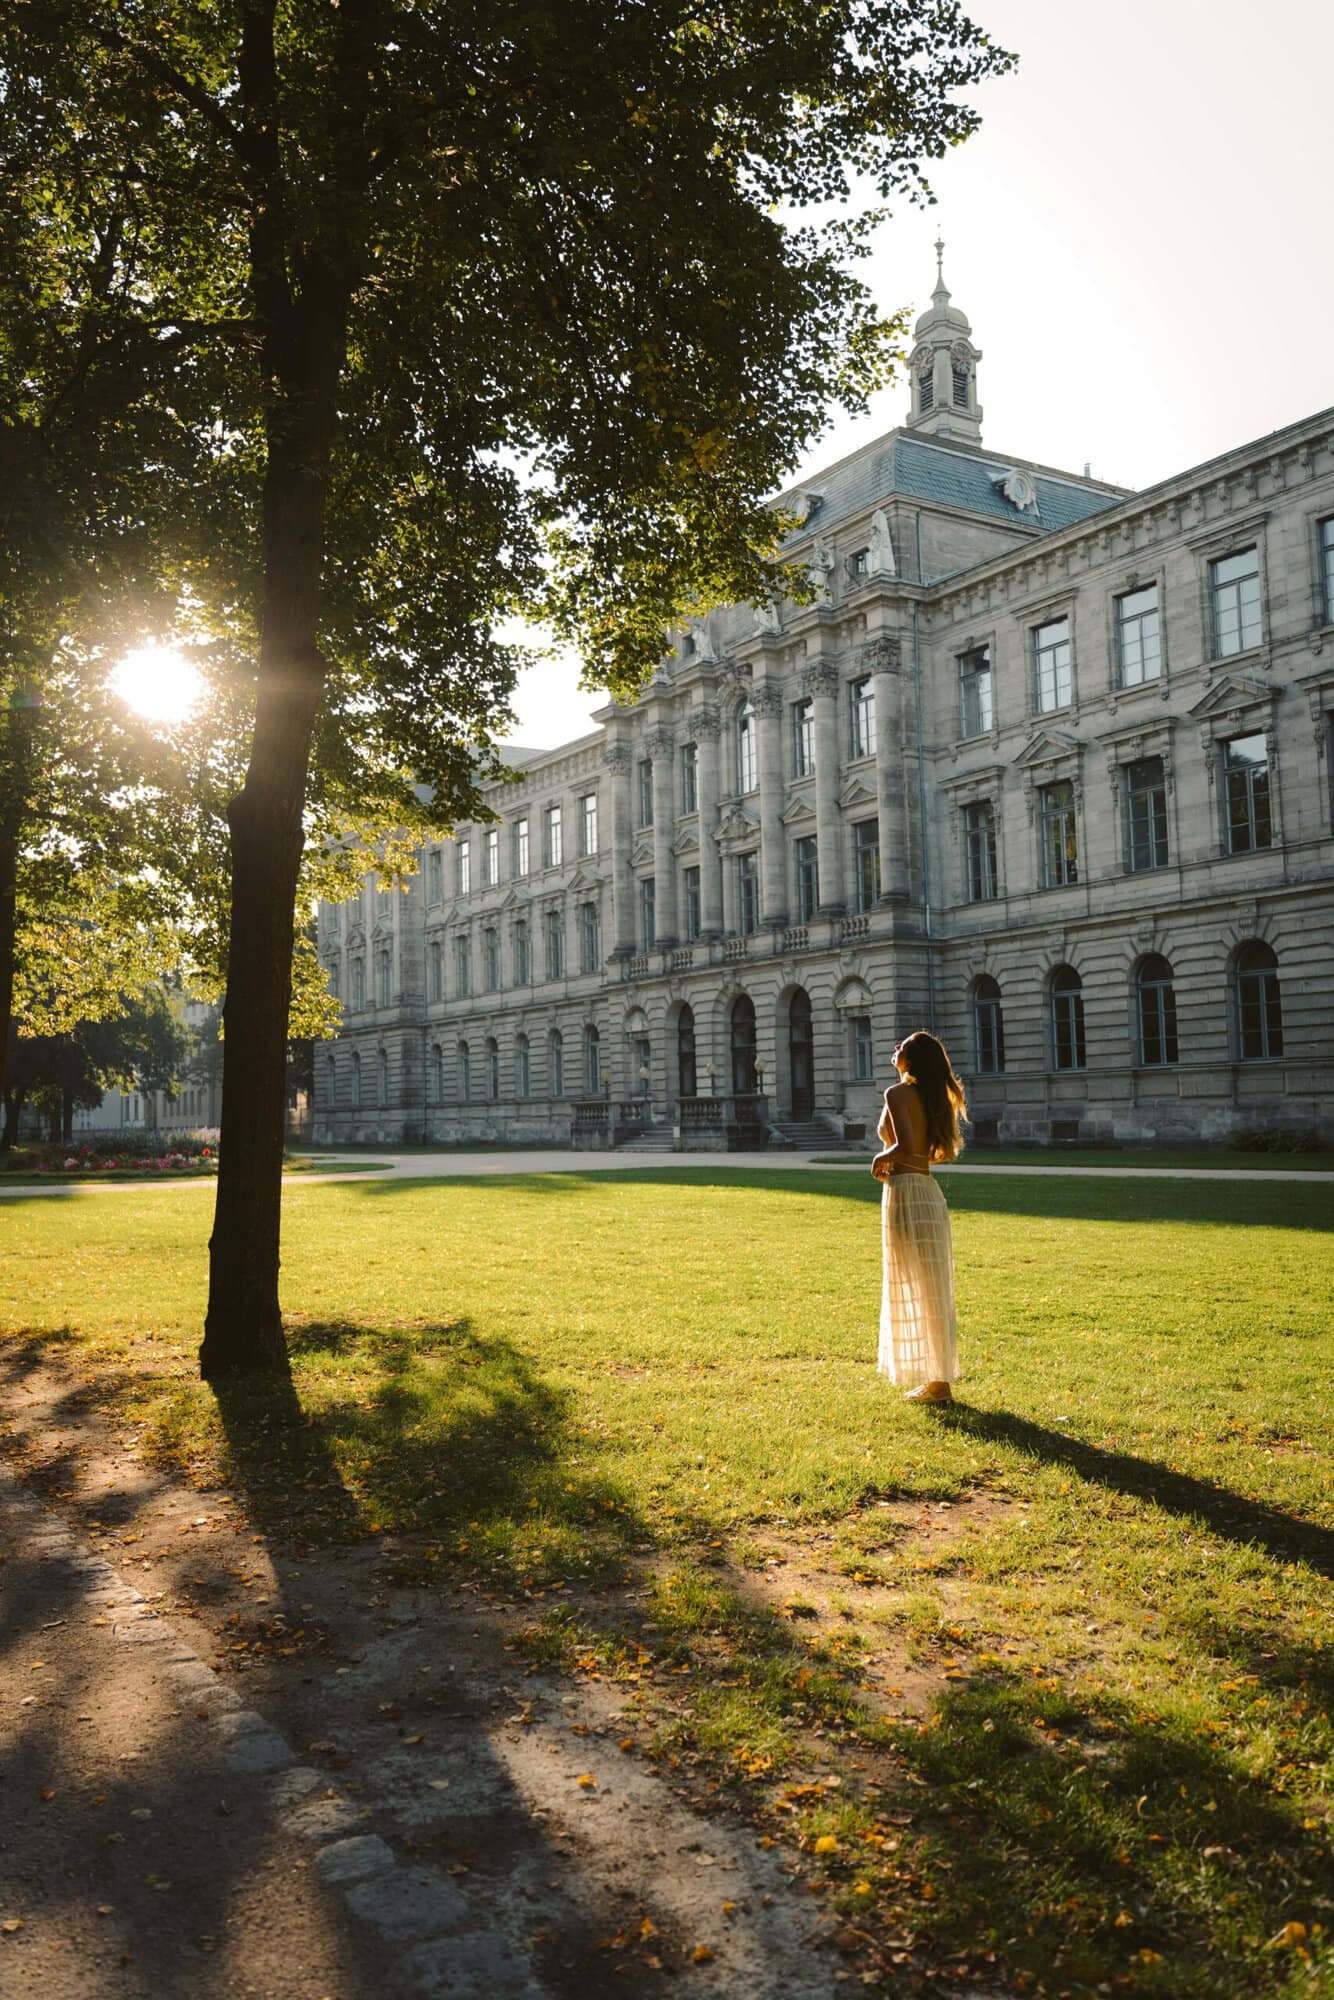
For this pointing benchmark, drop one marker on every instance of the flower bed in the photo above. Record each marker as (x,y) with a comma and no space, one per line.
(145,1155)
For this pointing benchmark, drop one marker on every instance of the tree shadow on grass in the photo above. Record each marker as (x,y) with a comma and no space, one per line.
(1083,1841)
(1229,1515)
(1106,1198)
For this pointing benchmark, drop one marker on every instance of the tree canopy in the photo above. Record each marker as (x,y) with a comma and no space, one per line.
(451,310)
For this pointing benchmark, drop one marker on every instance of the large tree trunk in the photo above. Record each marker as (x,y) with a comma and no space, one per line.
(243,1331)
(14,1101)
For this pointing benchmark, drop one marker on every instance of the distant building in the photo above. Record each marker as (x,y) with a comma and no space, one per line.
(1045,766)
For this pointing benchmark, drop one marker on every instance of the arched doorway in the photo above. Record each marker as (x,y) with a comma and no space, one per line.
(801,1054)
(744,1082)
(686,1082)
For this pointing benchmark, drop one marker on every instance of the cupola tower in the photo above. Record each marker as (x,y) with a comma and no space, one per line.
(944,369)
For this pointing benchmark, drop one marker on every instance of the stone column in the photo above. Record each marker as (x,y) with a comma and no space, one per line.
(661,747)
(823,684)
(617,761)
(708,728)
(768,705)
(882,659)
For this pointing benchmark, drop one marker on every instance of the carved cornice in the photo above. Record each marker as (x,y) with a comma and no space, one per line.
(820,679)
(659,742)
(617,760)
(707,724)
(766,700)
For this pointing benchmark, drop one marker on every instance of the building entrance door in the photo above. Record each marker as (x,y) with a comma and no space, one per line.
(800,1055)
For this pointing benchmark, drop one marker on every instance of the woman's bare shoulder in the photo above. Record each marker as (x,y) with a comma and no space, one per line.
(899,1093)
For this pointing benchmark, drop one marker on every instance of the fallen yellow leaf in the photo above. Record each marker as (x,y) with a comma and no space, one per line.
(702,1954)
(827,1844)
(1290,1934)
(12,1924)
(587,1782)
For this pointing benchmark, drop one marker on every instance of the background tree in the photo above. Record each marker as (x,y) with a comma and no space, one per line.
(522,326)
(141,1047)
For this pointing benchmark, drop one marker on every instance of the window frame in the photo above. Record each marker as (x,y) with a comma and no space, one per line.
(1067,1002)
(803,736)
(648,912)
(491,857)
(747,893)
(522,846)
(1252,775)
(462,966)
(982,681)
(590,941)
(465,866)
(691,904)
(981,882)
(1215,588)
(1065,854)
(1158,832)
(1269,1001)
(646,799)
(1156,994)
(988,1023)
(490,959)
(588,825)
(861,1043)
(689,778)
(746,741)
(861,717)
(865,845)
(553,836)
(553,943)
(1121,626)
(806,876)
(1037,652)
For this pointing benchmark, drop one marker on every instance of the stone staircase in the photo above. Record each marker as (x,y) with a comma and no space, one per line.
(653,1139)
(811,1135)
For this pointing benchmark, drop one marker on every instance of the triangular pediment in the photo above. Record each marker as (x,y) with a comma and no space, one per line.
(641,854)
(686,842)
(856,793)
(800,813)
(1047,745)
(583,880)
(1232,692)
(356,937)
(512,900)
(737,825)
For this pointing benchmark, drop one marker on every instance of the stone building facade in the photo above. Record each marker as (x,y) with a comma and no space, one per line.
(1045,765)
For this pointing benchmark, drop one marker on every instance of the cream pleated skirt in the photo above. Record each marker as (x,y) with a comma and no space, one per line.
(918,1334)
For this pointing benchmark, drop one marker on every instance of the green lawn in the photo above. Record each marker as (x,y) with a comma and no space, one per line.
(1123,1780)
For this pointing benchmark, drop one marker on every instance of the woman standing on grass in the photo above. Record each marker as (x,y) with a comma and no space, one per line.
(919,1125)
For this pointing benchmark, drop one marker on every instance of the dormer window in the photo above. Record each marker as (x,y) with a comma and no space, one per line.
(959,375)
(687,646)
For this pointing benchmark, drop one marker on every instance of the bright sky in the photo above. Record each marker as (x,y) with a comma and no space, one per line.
(1140,236)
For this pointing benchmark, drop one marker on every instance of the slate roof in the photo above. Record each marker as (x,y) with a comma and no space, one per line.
(932,470)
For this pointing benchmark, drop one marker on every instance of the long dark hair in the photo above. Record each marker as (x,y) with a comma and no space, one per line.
(940,1091)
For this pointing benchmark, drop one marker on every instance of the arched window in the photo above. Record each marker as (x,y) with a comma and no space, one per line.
(959,377)
(744,1080)
(926,387)
(1157,1011)
(1259,1003)
(686,1079)
(465,1073)
(556,1062)
(746,762)
(1067,1018)
(592,1061)
(988,1026)
(356,1080)
(492,1069)
(437,1074)
(382,1079)
(523,1067)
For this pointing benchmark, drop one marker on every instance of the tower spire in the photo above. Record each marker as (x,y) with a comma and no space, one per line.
(944,367)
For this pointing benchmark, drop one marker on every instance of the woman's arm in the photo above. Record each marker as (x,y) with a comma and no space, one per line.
(887,1132)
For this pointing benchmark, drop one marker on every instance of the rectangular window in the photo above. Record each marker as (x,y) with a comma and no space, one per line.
(1246,777)
(435,877)
(1146,815)
(748,894)
(803,738)
(808,879)
(437,964)
(975,692)
(690,895)
(1053,680)
(555,839)
(1060,849)
(465,867)
(646,791)
(866,863)
(1234,590)
(648,914)
(862,694)
(689,778)
(382,995)
(588,823)
(554,931)
(746,767)
(1139,640)
(523,955)
(462,967)
(590,950)
(491,857)
(491,959)
(1327,569)
(521,858)
(979,839)
(863,1055)
(859,563)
